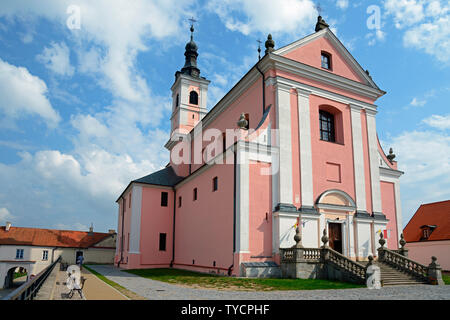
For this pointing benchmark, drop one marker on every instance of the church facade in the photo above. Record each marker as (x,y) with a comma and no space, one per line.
(293,143)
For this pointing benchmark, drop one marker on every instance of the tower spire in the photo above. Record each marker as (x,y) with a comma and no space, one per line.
(191,54)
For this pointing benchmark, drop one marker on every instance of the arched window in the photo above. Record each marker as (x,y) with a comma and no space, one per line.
(326,60)
(193,98)
(327,130)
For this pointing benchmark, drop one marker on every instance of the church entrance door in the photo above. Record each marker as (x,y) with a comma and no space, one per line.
(335,235)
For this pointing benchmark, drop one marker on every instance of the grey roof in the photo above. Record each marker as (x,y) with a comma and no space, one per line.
(165,177)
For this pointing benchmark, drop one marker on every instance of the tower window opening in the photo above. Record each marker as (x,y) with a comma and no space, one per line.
(193,98)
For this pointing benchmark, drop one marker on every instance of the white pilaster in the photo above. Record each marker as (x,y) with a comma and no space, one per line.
(135,221)
(351,236)
(304,122)
(374,165)
(285,143)
(243,208)
(358,159)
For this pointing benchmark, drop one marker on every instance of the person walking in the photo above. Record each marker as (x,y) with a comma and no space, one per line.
(80,260)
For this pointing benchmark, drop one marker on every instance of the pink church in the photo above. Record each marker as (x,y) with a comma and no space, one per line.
(294,142)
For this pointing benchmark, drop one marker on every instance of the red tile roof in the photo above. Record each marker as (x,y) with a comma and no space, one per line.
(49,238)
(432,214)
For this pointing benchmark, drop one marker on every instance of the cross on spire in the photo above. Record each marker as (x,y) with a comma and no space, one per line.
(192,20)
(319,8)
(259,49)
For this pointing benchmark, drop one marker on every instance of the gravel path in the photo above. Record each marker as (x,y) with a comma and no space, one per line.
(156,290)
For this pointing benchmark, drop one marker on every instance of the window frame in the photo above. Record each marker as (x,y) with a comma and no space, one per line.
(165,203)
(19,256)
(215,184)
(193,98)
(327,55)
(330,120)
(163,242)
(45,255)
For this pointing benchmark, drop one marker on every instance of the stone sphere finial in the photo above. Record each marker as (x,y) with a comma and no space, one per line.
(242,123)
(402,241)
(270,44)
(298,238)
(382,241)
(325,238)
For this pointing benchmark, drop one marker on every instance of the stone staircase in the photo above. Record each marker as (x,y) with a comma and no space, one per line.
(392,277)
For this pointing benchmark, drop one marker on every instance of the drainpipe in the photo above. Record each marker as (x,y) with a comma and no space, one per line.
(263,88)
(230,269)
(121,234)
(173,232)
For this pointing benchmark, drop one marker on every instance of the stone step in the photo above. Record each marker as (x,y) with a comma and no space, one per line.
(390,276)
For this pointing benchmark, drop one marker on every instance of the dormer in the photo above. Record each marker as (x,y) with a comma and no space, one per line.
(426,231)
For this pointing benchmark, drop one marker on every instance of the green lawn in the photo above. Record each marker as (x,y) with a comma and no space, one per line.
(19,275)
(200,280)
(446,278)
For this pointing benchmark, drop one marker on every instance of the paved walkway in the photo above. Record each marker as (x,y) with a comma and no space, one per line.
(156,290)
(94,288)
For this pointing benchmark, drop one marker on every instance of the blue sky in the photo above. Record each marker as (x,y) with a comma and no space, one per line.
(84,111)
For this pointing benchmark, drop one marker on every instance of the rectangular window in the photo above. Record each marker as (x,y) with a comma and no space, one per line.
(224,142)
(326,61)
(215,184)
(162,241)
(45,255)
(179,202)
(195,194)
(164,199)
(327,132)
(129,202)
(19,254)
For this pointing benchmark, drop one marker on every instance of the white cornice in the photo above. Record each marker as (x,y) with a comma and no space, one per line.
(390,173)
(188,79)
(326,94)
(312,73)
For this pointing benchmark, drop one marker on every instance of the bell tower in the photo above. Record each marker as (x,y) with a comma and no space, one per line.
(189,92)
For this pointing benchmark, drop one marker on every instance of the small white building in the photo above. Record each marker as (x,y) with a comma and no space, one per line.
(34,249)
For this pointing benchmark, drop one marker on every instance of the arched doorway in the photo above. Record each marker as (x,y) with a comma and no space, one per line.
(15,277)
(337,208)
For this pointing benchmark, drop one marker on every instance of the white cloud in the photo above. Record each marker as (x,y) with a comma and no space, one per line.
(406,12)
(432,37)
(342,4)
(424,156)
(438,122)
(5,215)
(292,17)
(21,94)
(425,24)
(57,59)
(377,35)
(418,103)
